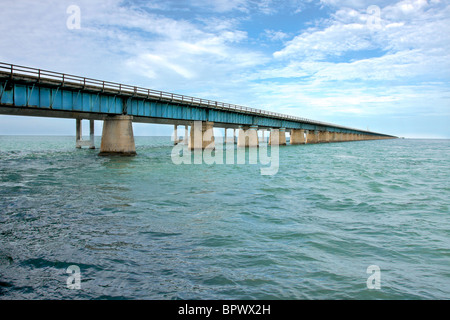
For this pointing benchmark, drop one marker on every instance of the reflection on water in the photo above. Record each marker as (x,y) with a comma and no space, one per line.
(118,162)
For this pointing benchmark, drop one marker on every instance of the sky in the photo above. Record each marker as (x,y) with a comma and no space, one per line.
(377,65)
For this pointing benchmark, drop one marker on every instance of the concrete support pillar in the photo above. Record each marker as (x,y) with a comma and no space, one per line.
(298,136)
(308,136)
(175,135)
(186,135)
(91,135)
(278,136)
(322,137)
(274,136)
(202,135)
(234,135)
(79,135)
(319,136)
(117,136)
(225,136)
(333,136)
(312,137)
(316,136)
(263,139)
(282,137)
(248,137)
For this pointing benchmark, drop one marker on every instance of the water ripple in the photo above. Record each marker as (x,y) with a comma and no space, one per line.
(144,228)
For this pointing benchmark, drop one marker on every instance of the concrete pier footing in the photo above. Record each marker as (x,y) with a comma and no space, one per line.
(248,137)
(79,138)
(175,138)
(117,136)
(304,136)
(118,139)
(277,136)
(202,136)
(186,135)
(298,136)
(312,136)
(321,137)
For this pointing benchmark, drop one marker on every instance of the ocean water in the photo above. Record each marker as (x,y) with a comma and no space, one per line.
(146,228)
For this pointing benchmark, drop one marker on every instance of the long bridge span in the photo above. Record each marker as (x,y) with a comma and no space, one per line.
(35,92)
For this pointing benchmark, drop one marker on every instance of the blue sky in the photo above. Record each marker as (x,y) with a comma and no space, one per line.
(377,65)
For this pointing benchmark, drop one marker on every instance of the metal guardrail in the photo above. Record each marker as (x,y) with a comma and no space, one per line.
(123,89)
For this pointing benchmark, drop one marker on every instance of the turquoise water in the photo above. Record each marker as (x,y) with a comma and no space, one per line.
(145,228)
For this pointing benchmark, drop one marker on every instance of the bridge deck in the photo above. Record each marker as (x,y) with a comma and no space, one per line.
(13,74)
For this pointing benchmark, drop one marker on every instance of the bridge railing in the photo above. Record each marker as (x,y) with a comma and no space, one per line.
(68,80)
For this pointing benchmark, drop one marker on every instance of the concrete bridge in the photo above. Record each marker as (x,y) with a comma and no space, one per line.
(34,92)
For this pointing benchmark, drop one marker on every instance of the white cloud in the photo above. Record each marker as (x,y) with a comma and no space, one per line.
(223,5)
(413,48)
(163,51)
(145,61)
(354,4)
(338,67)
(343,68)
(273,35)
(317,44)
(415,28)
